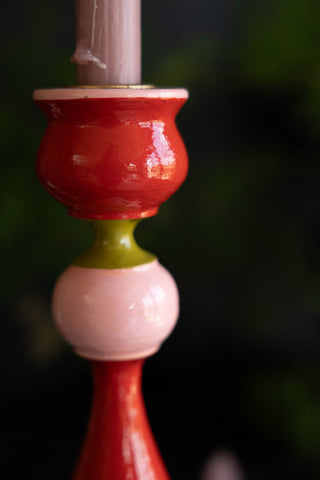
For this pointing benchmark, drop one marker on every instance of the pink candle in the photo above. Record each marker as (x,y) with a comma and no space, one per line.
(108,42)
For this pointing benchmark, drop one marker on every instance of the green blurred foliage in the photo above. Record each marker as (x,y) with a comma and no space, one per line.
(280,42)
(286,405)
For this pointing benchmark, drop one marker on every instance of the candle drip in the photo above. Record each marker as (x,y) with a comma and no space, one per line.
(108,50)
(84,54)
(95,6)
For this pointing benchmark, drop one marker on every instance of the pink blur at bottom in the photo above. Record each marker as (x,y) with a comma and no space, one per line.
(119,443)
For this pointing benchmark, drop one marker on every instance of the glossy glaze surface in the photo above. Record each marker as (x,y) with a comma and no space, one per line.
(116,314)
(112,158)
(119,444)
(114,246)
(114,154)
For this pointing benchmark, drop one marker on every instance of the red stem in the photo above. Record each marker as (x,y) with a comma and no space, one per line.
(119,443)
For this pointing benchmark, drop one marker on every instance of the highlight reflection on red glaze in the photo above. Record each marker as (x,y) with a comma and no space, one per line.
(119,443)
(112,158)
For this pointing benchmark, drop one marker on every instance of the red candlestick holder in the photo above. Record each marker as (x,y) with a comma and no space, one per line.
(113,156)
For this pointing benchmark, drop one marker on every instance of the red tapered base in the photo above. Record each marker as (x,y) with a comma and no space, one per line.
(119,443)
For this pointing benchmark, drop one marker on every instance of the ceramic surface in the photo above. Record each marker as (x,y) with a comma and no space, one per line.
(112,157)
(119,443)
(116,314)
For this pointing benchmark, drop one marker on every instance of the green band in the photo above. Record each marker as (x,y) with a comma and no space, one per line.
(114,246)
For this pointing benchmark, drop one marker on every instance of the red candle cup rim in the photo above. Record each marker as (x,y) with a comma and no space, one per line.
(139,91)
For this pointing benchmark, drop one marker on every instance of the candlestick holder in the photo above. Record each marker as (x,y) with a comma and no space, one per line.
(112,156)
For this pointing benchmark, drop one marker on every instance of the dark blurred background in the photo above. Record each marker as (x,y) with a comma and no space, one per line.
(242,238)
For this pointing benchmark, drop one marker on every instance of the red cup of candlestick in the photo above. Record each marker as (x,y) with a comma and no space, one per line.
(111,153)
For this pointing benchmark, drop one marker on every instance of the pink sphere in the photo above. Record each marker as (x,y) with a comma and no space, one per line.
(116,314)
